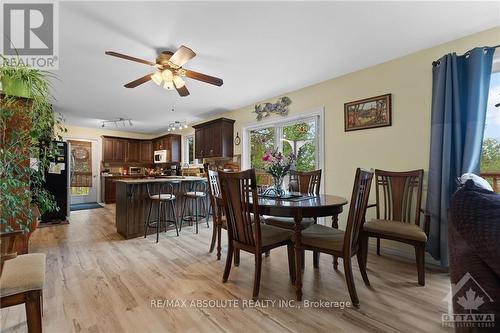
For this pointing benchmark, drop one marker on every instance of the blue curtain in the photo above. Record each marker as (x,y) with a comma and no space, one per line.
(460,87)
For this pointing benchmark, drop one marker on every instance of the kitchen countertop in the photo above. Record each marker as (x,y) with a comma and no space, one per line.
(164,179)
(125,176)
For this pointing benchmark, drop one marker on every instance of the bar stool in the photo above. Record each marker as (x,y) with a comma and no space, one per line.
(197,195)
(163,195)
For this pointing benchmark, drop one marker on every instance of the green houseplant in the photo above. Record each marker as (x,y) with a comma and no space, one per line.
(28,125)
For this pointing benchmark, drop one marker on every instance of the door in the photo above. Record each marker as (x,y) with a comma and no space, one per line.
(83,171)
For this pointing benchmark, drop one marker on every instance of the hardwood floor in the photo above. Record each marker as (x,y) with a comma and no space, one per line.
(98,282)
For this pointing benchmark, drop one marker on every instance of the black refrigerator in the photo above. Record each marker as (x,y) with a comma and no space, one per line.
(57,183)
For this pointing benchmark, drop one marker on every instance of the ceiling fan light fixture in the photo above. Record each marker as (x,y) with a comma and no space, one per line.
(157,78)
(169,85)
(179,82)
(167,75)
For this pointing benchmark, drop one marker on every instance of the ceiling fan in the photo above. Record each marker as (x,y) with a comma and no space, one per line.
(169,71)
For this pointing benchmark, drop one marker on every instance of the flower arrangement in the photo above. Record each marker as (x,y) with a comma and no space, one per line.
(278,165)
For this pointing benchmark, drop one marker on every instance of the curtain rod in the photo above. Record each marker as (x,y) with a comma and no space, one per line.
(437,62)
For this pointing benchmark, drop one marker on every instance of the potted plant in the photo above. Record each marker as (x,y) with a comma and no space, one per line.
(26,121)
(277,165)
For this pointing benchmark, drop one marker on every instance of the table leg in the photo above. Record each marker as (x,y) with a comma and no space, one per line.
(335,221)
(335,224)
(298,256)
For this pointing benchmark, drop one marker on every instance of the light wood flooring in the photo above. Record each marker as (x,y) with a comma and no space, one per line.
(98,282)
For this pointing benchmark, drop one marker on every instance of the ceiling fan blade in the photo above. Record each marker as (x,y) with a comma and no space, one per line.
(183,91)
(182,55)
(124,56)
(139,81)
(204,78)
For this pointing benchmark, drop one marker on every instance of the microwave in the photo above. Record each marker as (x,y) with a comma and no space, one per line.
(135,171)
(160,156)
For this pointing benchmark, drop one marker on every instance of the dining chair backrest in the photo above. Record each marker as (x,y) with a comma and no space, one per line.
(399,195)
(214,190)
(357,209)
(239,197)
(306,182)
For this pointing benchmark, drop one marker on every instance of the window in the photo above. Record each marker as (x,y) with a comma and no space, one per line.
(189,149)
(298,136)
(490,155)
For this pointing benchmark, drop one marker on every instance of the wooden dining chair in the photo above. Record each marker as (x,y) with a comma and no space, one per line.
(307,183)
(398,207)
(21,280)
(346,244)
(245,231)
(219,219)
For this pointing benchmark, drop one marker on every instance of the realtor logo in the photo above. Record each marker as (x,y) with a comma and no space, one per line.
(30,33)
(468,296)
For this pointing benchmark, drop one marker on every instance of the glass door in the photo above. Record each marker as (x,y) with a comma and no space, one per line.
(83,171)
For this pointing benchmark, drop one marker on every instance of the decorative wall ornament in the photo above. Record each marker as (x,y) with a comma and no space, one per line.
(264,110)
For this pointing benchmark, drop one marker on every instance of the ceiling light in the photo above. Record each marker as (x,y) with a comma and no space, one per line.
(169,85)
(157,78)
(185,126)
(167,75)
(178,81)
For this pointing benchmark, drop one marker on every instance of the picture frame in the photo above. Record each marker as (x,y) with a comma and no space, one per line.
(367,113)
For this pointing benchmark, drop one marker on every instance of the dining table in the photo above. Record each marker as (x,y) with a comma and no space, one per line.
(315,206)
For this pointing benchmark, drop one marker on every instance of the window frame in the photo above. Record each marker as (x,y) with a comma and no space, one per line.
(185,156)
(279,124)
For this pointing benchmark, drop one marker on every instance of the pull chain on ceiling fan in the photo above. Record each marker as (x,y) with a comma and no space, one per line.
(169,73)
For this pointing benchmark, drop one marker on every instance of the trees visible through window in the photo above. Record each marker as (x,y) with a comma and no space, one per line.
(490,156)
(299,137)
(189,144)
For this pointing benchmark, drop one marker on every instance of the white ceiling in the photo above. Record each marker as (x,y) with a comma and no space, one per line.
(260,49)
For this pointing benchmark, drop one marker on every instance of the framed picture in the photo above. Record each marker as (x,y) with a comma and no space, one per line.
(368,113)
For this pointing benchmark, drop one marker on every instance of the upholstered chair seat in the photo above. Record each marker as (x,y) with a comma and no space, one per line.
(271,235)
(324,237)
(163,196)
(23,273)
(287,222)
(396,229)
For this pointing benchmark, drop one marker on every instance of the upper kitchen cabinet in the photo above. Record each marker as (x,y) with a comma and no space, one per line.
(172,144)
(133,151)
(214,139)
(113,149)
(146,151)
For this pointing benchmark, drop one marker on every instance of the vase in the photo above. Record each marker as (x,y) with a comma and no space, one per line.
(278,185)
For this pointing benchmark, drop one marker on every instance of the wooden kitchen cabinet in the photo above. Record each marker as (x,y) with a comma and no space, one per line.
(146,151)
(120,150)
(133,151)
(107,149)
(114,149)
(214,139)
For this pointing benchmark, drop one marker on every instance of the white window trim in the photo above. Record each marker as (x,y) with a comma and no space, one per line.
(319,112)
(185,156)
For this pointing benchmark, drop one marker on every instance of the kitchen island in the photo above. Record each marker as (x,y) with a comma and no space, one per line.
(132,202)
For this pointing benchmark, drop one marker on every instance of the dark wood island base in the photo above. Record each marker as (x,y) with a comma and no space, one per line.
(132,203)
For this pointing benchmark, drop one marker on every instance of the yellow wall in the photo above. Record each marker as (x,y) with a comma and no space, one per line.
(404,145)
